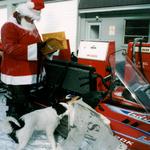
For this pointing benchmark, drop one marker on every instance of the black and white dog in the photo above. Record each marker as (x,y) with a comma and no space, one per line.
(46,119)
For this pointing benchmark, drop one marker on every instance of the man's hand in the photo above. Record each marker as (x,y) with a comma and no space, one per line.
(41,45)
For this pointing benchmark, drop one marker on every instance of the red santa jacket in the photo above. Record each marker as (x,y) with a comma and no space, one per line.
(1,47)
(19,63)
(1,53)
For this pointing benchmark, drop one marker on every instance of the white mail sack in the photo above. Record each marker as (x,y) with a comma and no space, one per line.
(90,131)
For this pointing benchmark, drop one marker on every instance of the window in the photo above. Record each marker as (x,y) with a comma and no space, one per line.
(136,29)
(93,30)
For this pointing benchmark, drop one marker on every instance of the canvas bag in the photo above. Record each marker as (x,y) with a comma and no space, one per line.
(91,131)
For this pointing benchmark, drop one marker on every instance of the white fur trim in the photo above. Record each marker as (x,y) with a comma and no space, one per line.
(30,4)
(24,10)
(18,80)
(13,20)
(32,52)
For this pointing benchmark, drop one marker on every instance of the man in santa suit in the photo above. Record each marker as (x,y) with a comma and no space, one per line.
(19,66)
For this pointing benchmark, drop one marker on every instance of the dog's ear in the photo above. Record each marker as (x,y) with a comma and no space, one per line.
(65,105)
(74,99)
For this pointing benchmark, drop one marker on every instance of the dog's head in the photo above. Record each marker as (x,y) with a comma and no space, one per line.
(73,100)
(70,103)
(70,109)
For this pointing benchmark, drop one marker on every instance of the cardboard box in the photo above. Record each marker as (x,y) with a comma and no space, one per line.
(54,41)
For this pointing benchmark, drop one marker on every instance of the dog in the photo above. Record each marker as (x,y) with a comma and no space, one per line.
(46,119)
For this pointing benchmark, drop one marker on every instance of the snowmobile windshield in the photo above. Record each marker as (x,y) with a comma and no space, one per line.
(127,72)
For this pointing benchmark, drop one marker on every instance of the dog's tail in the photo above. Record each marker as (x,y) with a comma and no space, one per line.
(9,124)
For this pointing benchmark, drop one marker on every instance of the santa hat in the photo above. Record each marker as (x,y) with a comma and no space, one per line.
(32,8)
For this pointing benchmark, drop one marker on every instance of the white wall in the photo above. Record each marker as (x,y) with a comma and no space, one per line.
(60,16)
(3,17)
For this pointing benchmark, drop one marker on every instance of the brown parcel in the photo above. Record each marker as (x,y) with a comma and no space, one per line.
(54,41)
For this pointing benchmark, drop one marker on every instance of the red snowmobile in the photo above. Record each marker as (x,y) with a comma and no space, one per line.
(127,104)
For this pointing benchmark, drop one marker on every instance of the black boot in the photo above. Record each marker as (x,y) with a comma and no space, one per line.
(12,110)
(20,96)
(24,108)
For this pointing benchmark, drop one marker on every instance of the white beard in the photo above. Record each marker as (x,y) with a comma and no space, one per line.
(26,25)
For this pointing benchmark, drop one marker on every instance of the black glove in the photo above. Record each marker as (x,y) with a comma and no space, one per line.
(41,45)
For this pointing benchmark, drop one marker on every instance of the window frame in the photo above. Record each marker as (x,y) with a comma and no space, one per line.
(88,24)
(136,18)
